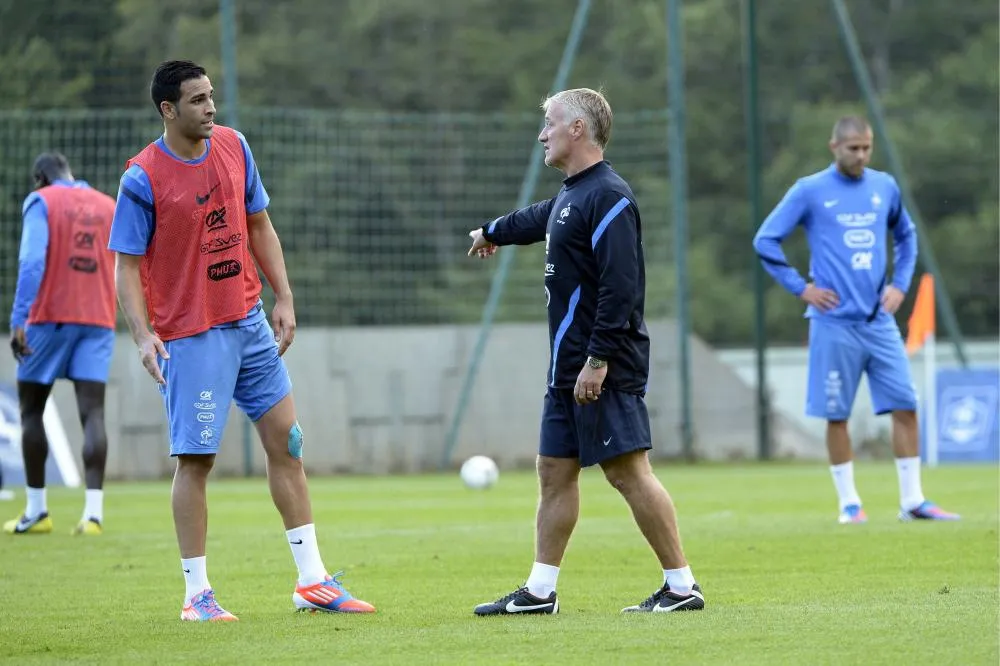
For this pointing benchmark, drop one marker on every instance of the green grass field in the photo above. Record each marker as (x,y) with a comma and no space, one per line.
(784,583)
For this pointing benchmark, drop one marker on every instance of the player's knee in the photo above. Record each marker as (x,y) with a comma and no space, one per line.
(295,441)
(906,417)
(95,452)
(627,472)
(195,464)
(838,425)
(94,432)
(32,421)
(92,417)
(556,475)
(621,479)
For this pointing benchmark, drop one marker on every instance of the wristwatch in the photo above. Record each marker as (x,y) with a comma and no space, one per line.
(596,363)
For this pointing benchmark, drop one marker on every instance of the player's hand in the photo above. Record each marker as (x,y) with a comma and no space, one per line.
(588,384)
(822,299)
(283,323)
(892,298)
(19,344)
(151,347)
(480,246)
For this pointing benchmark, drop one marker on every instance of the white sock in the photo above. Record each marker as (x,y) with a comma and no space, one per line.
(911,495)
(93,507)
(843,480)
(679,581)
(36,502)
(195,576)
(542,580)
(306,553)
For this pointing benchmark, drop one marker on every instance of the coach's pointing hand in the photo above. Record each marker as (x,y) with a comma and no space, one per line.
(480,246)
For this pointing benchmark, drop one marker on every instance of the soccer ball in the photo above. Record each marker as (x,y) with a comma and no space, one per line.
(479,472)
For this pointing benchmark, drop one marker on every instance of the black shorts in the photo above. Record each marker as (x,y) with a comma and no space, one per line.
(617,423)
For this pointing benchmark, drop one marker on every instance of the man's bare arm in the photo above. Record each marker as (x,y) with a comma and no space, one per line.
(128,284)
(266,249)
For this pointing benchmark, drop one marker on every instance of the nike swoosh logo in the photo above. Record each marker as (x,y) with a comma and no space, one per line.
(187,571)
(202,199)
(608,440)
(830,204)
(296,543)
(514,608)
(682,602)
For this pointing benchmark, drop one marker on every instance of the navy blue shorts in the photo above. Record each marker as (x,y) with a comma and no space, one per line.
(617,423)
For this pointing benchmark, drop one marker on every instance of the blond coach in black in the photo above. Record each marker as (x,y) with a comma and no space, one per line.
(594,410)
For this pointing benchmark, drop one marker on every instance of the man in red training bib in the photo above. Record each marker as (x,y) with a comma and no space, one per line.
(63,326)
(190,221)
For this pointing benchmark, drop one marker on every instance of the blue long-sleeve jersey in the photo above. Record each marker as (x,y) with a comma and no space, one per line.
(595,276)
(846,222)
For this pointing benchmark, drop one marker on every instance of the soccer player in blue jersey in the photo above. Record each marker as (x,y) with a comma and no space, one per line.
(848,211)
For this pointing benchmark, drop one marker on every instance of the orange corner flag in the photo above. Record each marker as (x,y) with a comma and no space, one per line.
(922,318)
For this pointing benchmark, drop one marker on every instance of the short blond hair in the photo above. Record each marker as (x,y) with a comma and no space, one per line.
(588,105)
(849,125)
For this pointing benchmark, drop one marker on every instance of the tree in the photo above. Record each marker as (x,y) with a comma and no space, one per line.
(385,130)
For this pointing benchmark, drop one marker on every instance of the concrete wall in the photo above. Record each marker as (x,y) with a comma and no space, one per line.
(787,373)
(380,400)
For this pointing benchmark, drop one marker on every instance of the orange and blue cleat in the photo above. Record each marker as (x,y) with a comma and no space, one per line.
(329,596)
(927,511)
(203,607)
(852,514)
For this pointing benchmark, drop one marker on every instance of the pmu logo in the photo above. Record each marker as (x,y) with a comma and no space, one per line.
(83,264)
(224,270)
(859,239)
(216,219)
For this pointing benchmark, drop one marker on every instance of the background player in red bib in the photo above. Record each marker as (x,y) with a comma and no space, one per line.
(190,221)
(63,326)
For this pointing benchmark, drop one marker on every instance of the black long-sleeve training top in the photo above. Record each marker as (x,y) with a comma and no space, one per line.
(595,276)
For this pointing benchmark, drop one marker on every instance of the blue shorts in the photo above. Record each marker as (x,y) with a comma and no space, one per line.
(207,372)
(617,423)
(839,352)
(67,351)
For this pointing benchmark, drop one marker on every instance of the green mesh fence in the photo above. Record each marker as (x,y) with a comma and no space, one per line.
(372,209)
